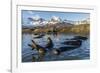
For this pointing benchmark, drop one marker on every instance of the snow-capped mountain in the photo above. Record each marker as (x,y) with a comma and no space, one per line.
(53,21)
(55,18)
(68,21)
(85,21)
(38,21)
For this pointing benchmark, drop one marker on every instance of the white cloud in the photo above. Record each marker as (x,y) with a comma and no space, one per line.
(31,12)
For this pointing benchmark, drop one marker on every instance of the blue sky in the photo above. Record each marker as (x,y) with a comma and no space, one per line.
(74,16)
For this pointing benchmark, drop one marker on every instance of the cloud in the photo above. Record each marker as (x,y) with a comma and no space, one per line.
(31,12)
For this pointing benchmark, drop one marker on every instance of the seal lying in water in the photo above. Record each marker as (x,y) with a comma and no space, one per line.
(73,42)
(57,51)
(49,44)
(41,49)
(79,38)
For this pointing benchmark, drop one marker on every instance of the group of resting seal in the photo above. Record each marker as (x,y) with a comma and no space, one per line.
(71,44)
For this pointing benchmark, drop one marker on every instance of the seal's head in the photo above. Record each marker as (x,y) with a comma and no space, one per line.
(41,51)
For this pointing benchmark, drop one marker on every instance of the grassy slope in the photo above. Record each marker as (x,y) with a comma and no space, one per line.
(77,29)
